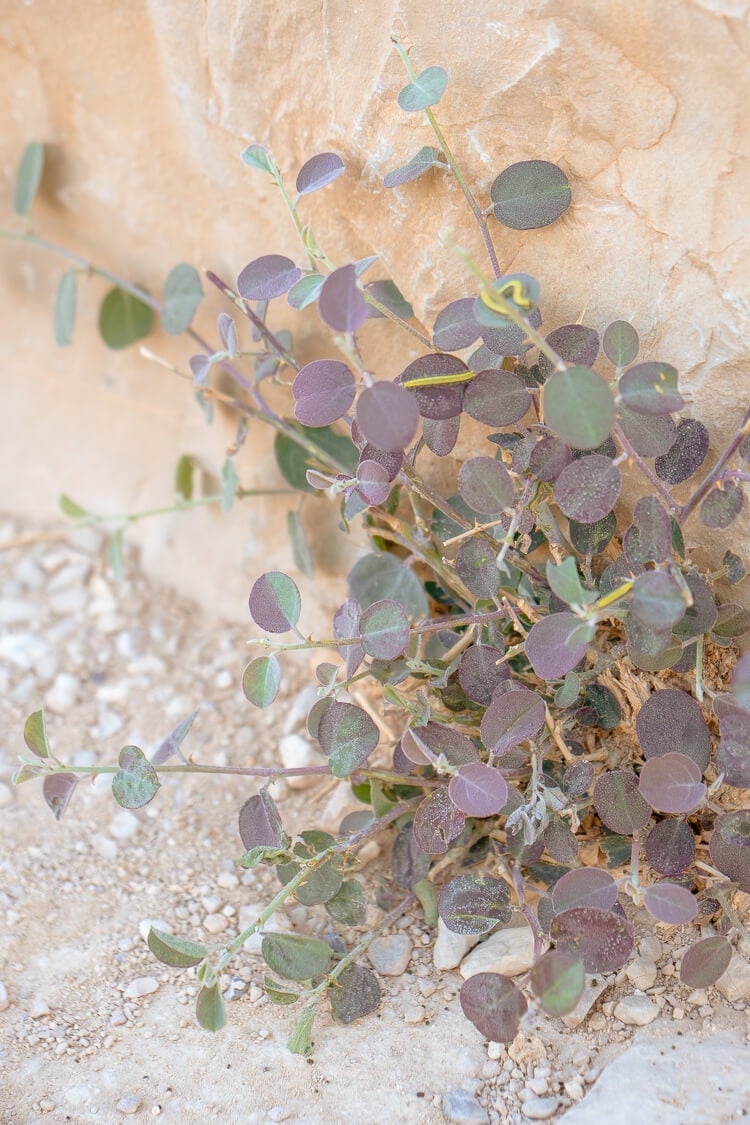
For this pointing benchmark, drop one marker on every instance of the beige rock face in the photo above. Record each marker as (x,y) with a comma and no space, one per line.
(146,107)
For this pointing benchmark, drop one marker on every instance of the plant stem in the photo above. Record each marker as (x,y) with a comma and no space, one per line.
(476,209)
(250,313)
(386,312)
(310,865)
(651,477)
(127,286)
(715,474)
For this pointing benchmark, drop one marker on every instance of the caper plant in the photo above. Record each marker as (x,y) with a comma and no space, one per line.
(499,629)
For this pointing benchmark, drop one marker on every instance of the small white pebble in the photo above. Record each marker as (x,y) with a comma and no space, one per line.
(4,1001)
(215,923)
(141,986)
(537,1086)
(131,1103)
(540,1109)
(279,1113)
(678,1014)
(414,1013)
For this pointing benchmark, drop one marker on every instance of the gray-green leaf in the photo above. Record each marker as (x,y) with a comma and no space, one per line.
(136,781)
(183,293)
(65,308)
(29,177)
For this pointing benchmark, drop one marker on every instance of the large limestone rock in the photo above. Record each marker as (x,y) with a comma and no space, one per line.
(145,108)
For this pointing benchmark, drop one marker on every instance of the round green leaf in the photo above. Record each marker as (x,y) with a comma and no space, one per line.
(29,177)
(620,343)
(123,319)
(183,293)
(557,979)
(705,962)
(175,951)
(210,1010)
(295,957)
(579,407)
(472,904)
(136,781)
(347,736)
(384,630)
(65,308)
(274,602)
(261,680)
(530,194)
(355,994)
(426,90)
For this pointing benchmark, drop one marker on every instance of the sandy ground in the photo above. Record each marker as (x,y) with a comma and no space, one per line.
(122,664)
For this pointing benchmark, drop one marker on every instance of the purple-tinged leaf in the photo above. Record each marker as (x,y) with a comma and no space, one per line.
(136,781)
(347,736)
(500,335)
(671,783)
(473,905)
(729,847)
(496,398)
(261,681)
(476,567)
(269,276)
(588,489)
(479,673)
(670,720)
(388,416)
(200,365)
(651,435)
(274,602)
(442,400)
(585,886)
(486,485)
(733,755)
(478,790)
(577,779)
(670,903)
(705,962)
(345,628)
(377,576)
(701,616)
(619,802)
(318,172)
(741,682)
(557,980)
(670,847)
(554,645)
(651,649)
(438,739)
(409,864)
(549,457)
(323,391)
(733,620)
(174,740)
(341,303)
(620,343)
(657,600)
(649,538)
(389,460)
(427,89)
(455,327)
(559,841)
(373,483)
(494,1005)
(441,436)
(687,453)
(575,343)
(57,789)
(357,993)
(650,388)
(512,718)
(530,194)
(228,333)
(384,630)
(722,505)
(35,734)
(420,163)
(437,823)
(260,824)
(601,938)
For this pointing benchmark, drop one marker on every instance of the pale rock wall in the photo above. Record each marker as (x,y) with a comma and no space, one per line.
(146,106)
